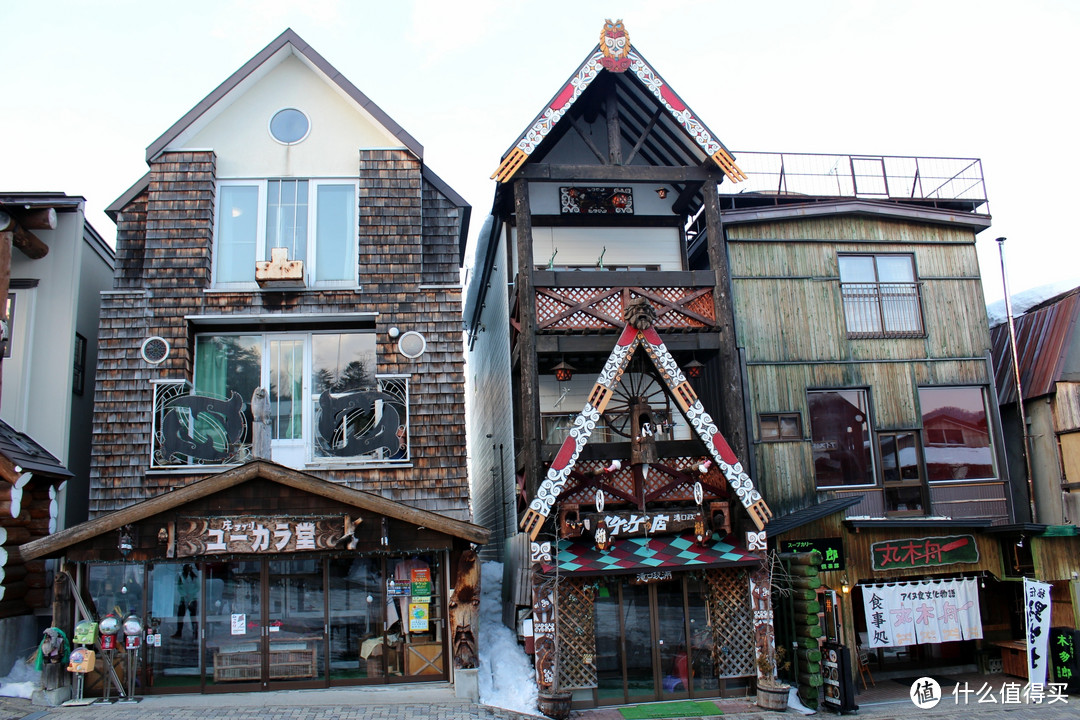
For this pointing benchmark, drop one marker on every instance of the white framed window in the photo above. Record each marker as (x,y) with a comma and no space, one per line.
(326,405)
(314,219)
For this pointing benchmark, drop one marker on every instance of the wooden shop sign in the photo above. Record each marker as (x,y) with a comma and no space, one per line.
(262,535)
(831,549)
(629,523)
(924,552)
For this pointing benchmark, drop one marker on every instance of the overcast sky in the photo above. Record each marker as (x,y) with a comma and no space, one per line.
(89,85)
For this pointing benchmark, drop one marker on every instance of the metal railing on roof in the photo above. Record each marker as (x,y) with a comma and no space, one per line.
(862,176)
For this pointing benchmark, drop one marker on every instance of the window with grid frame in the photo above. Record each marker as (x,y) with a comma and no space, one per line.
(779,427)
(881,296)
(316,220)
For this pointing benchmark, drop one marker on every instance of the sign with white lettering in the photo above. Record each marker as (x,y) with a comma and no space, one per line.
(258,535)
(628,523)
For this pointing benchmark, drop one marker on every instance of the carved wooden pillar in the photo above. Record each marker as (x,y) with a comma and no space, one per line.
(528,393)
(730,413)
(464,611)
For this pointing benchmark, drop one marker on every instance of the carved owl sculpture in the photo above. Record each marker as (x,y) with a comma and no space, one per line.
(615,45)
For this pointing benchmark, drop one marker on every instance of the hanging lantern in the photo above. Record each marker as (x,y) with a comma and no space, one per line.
(693,369)
(564,371)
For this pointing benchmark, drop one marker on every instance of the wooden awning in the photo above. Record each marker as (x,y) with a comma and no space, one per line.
(257,469)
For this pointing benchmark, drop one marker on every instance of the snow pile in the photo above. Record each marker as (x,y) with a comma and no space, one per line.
(506,676)
(21,682)
(1022,301)
(795,704)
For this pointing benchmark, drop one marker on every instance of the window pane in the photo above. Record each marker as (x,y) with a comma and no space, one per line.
(841,437)
(286,217)
(225,365)
(789,426)
(895,268)
(957,434)
(286,389)
(857,269)
(238,211)
(335,244)
(348,408)
(770,427)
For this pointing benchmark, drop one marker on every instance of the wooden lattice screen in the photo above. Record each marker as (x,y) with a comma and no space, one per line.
(728,596)
(577,636)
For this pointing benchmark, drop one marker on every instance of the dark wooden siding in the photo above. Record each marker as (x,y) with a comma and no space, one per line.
(395,227)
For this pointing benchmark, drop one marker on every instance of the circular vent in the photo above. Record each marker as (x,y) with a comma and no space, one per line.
(154,350)
(412,344)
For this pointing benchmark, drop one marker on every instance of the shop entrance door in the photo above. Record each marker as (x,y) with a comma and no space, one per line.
(265,624)
(641,642)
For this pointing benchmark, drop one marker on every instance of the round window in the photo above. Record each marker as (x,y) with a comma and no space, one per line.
(289,126)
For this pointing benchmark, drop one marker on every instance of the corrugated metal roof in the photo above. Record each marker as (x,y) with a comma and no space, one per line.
(1043,336)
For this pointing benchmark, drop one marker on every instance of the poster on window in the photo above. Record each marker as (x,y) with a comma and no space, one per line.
(1037,625)
(919,613)
(418,617)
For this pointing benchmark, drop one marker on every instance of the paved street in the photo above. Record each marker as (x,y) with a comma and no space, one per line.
(887,700)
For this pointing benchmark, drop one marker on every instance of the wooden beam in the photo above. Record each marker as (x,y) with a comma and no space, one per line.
(580,130)
(6,240)
(644,135)
(38,219)
(529,392)
(611,108)
(682,203)
(28,242)
(619,173)
(595,343)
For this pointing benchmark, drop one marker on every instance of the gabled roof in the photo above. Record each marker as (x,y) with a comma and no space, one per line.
(680,135)
(296,43)
(257,469)
(1044,338)
(25,455)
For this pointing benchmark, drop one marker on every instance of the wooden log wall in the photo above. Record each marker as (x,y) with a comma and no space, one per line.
(25,586)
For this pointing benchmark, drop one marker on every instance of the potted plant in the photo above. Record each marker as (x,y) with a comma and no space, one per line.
(772,693)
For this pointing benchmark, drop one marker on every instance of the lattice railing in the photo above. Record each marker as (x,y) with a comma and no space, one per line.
(601,308)
(727,593)
(577,635)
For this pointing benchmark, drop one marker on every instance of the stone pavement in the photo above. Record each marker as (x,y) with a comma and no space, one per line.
(887,700)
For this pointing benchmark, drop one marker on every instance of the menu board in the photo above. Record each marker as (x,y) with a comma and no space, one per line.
(836,677)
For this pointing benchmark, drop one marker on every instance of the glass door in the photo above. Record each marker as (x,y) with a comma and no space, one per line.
(671,648)
(638,643)
(232,644)
(173,593)
(362,648)
(295,609)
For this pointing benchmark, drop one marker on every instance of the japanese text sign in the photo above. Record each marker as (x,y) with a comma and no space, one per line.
(924,552)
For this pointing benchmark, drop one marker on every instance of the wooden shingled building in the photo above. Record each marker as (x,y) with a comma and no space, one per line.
(279,489)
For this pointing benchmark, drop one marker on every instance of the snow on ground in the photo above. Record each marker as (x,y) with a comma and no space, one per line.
(21,682)
(506,678)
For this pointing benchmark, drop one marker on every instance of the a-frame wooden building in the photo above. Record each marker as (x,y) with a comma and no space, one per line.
(640,524)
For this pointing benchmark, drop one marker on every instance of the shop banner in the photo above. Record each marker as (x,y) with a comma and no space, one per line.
(1037,622)
(916,613)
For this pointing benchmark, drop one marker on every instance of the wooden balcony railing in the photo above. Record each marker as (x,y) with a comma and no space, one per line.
(594,301)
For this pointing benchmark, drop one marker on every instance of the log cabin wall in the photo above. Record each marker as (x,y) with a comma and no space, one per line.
(408,239)
(790,320)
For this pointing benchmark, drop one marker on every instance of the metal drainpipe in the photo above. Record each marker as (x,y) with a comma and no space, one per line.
(1016,377)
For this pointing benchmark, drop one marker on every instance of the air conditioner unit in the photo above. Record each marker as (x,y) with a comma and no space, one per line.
(279,272)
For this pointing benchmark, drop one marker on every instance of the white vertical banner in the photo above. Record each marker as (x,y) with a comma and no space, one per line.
(967,609)
(1037,622)
(878,625)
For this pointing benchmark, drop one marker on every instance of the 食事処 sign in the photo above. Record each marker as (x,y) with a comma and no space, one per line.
(260,535)
(924,552)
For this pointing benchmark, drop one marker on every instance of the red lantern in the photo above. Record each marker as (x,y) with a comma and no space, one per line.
(563,371)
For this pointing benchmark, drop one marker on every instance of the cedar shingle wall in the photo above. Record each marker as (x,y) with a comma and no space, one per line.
(441,223)
(130,238)
(402,220)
